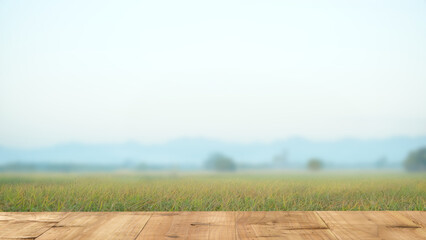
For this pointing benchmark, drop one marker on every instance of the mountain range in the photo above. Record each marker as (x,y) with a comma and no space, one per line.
(190,153)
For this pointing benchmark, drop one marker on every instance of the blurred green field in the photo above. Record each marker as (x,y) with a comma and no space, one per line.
(203,192)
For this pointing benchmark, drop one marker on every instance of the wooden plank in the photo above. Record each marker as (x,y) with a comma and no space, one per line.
(371,225)
(32,216)
(402,233)
(190,225)
(17,238)
(214,225)
(110,225)
(390,219)
(295,234)
(25,229)
(27,225)
(417,217)
(281,225)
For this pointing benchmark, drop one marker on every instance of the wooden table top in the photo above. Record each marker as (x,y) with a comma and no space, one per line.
(214,225)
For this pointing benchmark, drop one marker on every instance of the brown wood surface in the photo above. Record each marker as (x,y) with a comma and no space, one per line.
(416,216)
(27,225)
(372,225)
(281,225)
(214,225)
(100,226)
(190,225)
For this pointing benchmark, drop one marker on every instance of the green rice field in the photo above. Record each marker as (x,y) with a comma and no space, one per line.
(212,192)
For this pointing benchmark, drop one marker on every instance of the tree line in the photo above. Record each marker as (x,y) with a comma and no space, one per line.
(415,161)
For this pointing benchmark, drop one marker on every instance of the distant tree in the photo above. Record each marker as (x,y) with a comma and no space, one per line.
(314,164)
(220,162)
(416,160)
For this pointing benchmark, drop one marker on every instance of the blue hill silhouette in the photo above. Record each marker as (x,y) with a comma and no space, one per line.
(191,152)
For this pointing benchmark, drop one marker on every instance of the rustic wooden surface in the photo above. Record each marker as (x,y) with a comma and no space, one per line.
(214,225)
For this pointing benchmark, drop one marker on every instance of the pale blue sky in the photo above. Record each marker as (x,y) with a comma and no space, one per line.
(151,71)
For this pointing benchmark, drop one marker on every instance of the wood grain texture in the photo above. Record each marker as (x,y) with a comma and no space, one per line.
(190,225)
(281,225)
(98,226)
(416,216)
(32,216)
(372,225)
(214,225)
(27,225)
